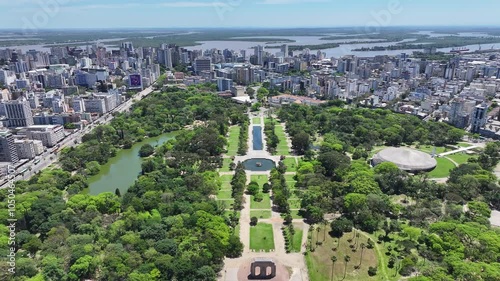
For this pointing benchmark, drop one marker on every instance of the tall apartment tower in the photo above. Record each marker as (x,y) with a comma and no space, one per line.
(8,152)
(19,113)
(479,118)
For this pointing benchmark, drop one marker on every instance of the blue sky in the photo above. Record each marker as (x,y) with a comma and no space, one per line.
(245,13)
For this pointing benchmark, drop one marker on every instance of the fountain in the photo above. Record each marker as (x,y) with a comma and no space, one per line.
(259,165)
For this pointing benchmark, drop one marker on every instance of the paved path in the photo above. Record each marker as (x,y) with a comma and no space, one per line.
(458,150)
(294,261)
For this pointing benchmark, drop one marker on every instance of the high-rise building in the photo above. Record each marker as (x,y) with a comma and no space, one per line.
(165,57)
(479,118)
(284,50)
(19,113)
(259,54)
(8,152)
(202,64)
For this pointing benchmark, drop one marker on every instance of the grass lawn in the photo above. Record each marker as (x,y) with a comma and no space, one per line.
(289,178)
(291,184)
(224,194)
(430,149)
(228,203)
(260,179)
(256,120)
(226,185)
(261,214)
(228,212)
(320,265)
(463,144)
(296,239)
(460,158)
(291,164)
(294,204)
(261,237)
(295,214)
(233,140)
(226,178)
(225,165)
(442,169)
(264,204)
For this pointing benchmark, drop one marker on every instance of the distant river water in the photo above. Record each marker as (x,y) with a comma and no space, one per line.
(122,170)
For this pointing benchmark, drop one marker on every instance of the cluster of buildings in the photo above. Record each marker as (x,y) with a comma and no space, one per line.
(44,91)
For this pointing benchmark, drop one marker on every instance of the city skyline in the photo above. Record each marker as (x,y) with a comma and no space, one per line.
(52,14)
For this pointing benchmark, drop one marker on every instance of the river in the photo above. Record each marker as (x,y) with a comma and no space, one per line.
(122,170)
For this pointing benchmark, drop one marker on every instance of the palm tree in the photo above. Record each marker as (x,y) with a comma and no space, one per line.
(334,260)
(317,234)
(346,261)
(325,223)
(363,246)
(312,235)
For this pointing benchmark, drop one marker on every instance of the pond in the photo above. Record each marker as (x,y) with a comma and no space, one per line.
(122,170)
(259,165)
(257,138)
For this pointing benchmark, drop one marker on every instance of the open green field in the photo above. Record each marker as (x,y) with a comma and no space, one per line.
(227,202)
(226,178)
(430,149)
(443,168)
(463,144)
(225,165)
(289,178)
(261,237)
(460,158)
(320,264)
(291,164)
(233,140)
(229,212)
(261,214)
(260,179)
(296,241)
(264,204)
(256,121)
(294,204)
(224,194)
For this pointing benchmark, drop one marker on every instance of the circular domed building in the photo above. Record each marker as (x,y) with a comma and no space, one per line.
(406,159)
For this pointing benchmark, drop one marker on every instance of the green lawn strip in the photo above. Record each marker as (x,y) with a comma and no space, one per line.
(229,212)
(226,185)
(262,237)
(297,238)
(228,203)
(224,195)
(291,164)
(261,214)
(383,259)
(226,162)
(233,140)
(283,152)
(460,158)
(291,184)
(289,178)
(264,204)
(226,178)
(294,204)
(260,179)
(295,214)
(442,169)
(256,121)
(463,144)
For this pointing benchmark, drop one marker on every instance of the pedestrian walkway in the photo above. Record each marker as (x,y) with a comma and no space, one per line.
(295,261)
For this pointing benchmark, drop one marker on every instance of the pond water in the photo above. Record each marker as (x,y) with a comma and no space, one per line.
(122,170)
(265,165)
(257,138)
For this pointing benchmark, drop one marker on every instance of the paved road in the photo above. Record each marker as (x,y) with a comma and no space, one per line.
(48,158)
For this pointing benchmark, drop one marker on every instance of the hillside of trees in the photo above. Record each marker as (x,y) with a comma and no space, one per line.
(166,227)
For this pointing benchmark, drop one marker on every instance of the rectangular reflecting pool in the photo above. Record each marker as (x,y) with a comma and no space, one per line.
(257,138)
